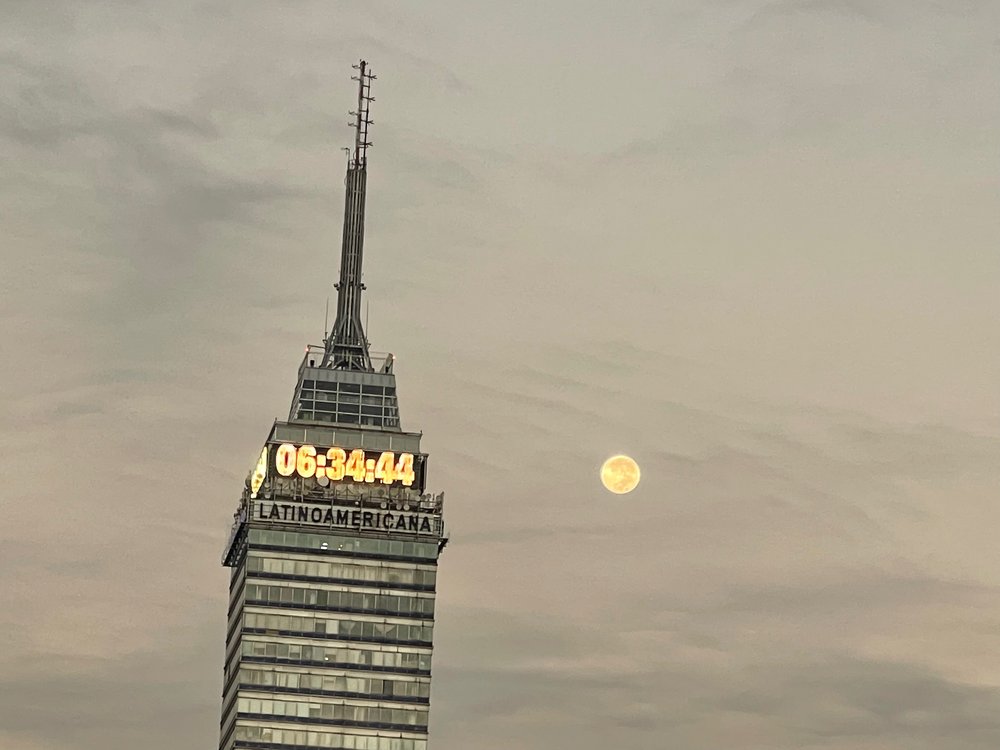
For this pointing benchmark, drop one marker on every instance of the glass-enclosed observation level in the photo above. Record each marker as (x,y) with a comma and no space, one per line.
(325,394)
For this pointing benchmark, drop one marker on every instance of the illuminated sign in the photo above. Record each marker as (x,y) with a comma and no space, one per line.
(259,473)
(338,464)
(349,518)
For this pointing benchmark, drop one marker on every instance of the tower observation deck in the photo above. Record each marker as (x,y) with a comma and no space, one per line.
(335,543)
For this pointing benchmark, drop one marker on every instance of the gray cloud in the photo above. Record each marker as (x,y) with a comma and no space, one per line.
(750,243)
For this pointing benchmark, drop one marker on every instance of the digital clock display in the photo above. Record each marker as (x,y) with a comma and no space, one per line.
(338,465)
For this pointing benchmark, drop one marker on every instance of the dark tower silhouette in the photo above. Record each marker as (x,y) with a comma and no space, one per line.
(335,545)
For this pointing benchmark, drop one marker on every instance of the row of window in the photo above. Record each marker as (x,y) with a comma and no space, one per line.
(301,738)
(334,385)
(317,435)
(343,571)
(345,417)
(346,398)
(336,544)
(413,719)
(348,601)
(340,656)
(352,630)
(344,405)
(376,687)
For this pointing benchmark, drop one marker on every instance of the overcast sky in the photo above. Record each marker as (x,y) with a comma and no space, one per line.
(752,243)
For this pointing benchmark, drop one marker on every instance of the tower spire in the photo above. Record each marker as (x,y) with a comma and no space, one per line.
(346,347)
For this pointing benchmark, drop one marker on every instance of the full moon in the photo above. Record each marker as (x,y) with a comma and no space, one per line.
(620,474)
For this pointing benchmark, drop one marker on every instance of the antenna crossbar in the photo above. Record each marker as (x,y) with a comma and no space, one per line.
(361,115)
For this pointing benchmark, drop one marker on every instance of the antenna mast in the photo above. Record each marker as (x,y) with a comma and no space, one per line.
(346,347)
(362,119)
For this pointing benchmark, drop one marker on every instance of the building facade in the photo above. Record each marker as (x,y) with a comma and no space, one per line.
(334,547)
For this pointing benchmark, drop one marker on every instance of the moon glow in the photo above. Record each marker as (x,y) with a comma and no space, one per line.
(620,474)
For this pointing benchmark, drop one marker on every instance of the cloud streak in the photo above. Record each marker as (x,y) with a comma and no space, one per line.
(754,251)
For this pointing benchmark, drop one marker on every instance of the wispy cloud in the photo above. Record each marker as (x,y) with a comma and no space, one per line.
(749,243)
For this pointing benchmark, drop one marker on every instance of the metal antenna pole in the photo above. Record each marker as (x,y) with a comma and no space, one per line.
(361,116)
(347,346)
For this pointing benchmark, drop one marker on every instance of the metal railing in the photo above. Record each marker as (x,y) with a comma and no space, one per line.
(314,356)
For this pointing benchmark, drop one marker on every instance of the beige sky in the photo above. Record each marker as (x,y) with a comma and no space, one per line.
(753,244)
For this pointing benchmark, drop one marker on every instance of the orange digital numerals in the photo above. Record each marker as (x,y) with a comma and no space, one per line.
(337,464)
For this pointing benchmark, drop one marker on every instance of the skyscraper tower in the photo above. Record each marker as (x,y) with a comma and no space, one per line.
(335,544)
